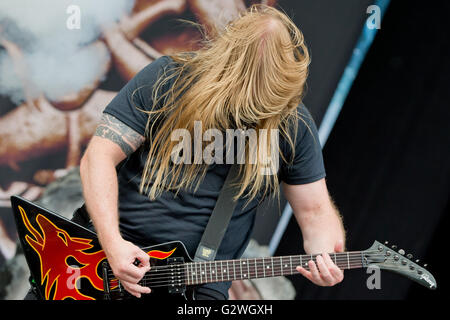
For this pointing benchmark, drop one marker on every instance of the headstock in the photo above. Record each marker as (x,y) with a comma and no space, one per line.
(397,261)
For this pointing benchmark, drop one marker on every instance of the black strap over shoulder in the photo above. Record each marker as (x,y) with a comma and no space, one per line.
(81,216)
(219,220)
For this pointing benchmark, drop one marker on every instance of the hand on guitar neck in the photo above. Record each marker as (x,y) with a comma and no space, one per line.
(325,272)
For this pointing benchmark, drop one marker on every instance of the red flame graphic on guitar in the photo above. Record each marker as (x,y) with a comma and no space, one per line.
(54,247)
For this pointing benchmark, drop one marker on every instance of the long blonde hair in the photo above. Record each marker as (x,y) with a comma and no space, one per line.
(250,75)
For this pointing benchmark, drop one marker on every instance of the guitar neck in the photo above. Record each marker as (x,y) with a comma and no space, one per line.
(253,268)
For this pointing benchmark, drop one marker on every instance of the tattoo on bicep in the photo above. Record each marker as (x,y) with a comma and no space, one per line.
(115,130)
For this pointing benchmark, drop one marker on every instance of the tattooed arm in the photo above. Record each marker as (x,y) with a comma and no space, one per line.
(112,142)
(123,136)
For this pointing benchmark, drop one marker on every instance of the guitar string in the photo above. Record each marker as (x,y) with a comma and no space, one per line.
(342,256)
(171,283)
(259,264)
(277,269)
(204,266)
(251,269)
(168,283)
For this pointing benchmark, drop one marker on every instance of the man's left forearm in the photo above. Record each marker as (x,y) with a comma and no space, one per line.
(321,228)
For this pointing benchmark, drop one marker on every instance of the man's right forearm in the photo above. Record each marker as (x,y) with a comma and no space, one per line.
(100,190)
(112,142)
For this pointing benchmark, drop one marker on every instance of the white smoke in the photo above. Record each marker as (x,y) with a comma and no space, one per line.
(58,59)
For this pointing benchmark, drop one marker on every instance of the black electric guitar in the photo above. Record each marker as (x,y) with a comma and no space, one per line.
(67,262)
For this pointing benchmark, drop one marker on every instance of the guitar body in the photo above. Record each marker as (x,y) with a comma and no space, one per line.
(66,260)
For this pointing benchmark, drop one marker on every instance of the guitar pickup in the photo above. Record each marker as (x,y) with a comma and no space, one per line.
(176,275)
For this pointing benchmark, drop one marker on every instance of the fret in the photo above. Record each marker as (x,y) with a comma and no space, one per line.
(271,260)
(190,272)
(275,273)
(281,265)
(215,264)
(290,259)
(234,269)
(256,269)
(248,268)
(196,273)
(227,270)
(264,268)
(348,261)
(186,272)
(240,265)
(335,262)
(204,273)
(221,269)
(210,271)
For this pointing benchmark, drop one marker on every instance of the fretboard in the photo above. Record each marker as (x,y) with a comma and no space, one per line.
(253,268)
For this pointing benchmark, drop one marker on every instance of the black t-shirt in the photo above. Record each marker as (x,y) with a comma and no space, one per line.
(185,216)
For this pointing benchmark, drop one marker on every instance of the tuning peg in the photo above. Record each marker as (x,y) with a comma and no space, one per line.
(425,265)
(386,242)
(417,261)
(394,247)
(409,256)
(401,251)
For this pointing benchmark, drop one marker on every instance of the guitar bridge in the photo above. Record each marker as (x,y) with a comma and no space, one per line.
(112,289)
(176,277)
(106,287)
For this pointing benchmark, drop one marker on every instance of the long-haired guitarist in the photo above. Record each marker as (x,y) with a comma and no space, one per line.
(156,164)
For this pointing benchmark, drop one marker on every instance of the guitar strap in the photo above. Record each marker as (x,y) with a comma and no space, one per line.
(219,220)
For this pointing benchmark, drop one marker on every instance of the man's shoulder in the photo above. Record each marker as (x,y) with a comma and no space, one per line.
(156,65)
(301,121)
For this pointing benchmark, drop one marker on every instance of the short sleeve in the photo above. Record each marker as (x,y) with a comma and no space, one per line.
(137,94)
(307,164)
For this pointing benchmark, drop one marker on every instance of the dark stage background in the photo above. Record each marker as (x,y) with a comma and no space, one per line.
(388,159)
